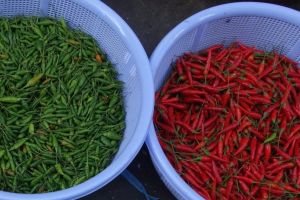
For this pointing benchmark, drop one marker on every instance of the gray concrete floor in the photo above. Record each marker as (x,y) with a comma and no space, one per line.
(151,20)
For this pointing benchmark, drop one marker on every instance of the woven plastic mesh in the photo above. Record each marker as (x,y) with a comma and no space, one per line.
(262,32)
(9,8)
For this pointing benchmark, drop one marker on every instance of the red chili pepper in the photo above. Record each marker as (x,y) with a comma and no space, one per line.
(245,92)
(256,174)
(206,87)
(297,148)
(226,86)
(196,57)
(259,152)
(220,147)
(282,153)
(294,174)
(196,69)
(244,187)
(256,133)
(194,183)
(221,55)
(298,181)
(199,146)
(229,187)
(244,106)
(176,105)
(189,75)
(226,98)
(278,192)
(254,190)
(287,165)
(294,131)
(245,179)
(210,121)
(186,126)
(260,100)
(204,177)
(214,190)
(247,101)
(218,159)
(228,128)
(238,113)
(208,63)
(291,189)
(296,110)
(216,172)
(234,137)
(228,119)
(179,89)
(284,79)
(214,108)
(261,68)
(192,91)
(184,148)
(268,149)
(274,164)
(194,100)
(204,166)
(283,125)
(212,146)
(205,159)
(287,111)
(265,73)
(278,177)
(245,123)
(217,74)
(243,144)
(249,174)
(179,66)
(264,194)
(298,162)
(236,63)
(286,94)
(165,127)
(253,115)
(227,138)
(292,147)
(281,86)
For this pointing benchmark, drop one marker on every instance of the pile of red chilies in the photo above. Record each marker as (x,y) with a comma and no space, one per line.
(228,119)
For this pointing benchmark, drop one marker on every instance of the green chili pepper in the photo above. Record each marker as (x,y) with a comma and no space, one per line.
(10,99)
(34,80)
(18,144)
(112,136)
(31,128)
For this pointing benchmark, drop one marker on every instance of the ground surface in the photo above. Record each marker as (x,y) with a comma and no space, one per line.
(151,20)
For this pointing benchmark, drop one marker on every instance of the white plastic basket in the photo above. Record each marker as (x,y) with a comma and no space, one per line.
(265,26)
(123,48)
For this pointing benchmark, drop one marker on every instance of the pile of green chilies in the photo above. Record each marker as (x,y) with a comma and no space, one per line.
(61,107)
